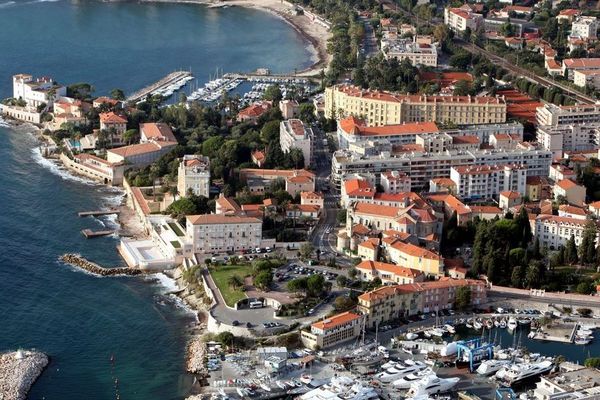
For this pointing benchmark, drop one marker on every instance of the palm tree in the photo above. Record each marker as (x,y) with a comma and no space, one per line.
(235,282)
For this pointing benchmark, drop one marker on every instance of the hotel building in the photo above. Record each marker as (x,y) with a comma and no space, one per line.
(332,331)
(213,233)
(294,135)
(388,273)
(193,174)
(487,181)
(554,231)
(384,108)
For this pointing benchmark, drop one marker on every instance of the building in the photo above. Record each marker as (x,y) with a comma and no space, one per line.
(587,78)
(258,157)
(577,382)
(571,137)
(417,52)
(388,303)
(36,92)
(356,189)
(106,102)
(294,135)
(157,132)
(534,185)
(385,108)
(296,181)
(414,257)
(332,331)
(193,175)
(570,65)
(459,19)
(442,185)
(389,274)
(554,231)
(509,199)
(289,109)
(212,233)
(68,111)
(585,27)
(553,115)
(487,181)
(569,190)
(95,168)
(254,111)
(570,211)
(139,155)
(395,182)
(559,172)
(312,198)
(115,125)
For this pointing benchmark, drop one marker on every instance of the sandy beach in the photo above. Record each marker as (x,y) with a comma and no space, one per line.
(316,34)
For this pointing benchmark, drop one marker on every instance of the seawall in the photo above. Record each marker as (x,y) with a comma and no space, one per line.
(80,262)
(18,371)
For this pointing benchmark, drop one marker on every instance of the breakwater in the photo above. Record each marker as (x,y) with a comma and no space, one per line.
(80,262)
(18,371)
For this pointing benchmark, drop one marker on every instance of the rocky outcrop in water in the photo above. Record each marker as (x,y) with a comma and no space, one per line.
(18,371)
(195,356)
(79,262)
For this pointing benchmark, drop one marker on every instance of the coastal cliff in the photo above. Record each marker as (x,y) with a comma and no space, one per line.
(18,371)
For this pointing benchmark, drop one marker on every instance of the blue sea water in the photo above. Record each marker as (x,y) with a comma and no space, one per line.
(82,321)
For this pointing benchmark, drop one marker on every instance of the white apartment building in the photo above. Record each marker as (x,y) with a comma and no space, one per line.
(421,166)
(95,168)
(570,65)
(193,174)
(550,114)
(487,181)
(211,233)
(294,135)
(561,138)
(585,27)
(417,52)
(332,331)
(395,182)
(587,77)
(554,231)
(36,92)
(459,19)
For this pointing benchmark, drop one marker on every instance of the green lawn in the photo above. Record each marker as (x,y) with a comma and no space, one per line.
(221,274)
(574,269)
(176,229)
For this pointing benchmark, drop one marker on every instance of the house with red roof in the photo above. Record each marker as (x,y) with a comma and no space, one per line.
(254,111)
(570,191)
(388,273)
(115,125)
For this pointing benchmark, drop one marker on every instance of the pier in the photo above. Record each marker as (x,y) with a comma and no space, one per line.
(79,262)
(270,77)
(18,371)
(98,213)
(173,77)
(88,233)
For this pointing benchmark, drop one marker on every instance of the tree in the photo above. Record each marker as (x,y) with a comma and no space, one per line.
(225,338)
(571,251)
(463,298)
(341,281)
(315,285)
(235,282)
(587,249)
(297,285)
(585,287)
(592,362)
(524,227)
(117,94)
(343,303)
(533,276)
(263,280)
(516,279)
(182,207)
(130,136)
(306,250)
(341,216)
(352,273)
(441,33)
(273,93)
(584,312)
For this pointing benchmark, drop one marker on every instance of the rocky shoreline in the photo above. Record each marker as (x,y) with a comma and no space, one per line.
(18,371)
(80,262)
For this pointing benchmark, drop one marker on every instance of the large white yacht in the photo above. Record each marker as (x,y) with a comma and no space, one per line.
(399,371)
(489,367)
(516,373)
(432,385)
(408,380)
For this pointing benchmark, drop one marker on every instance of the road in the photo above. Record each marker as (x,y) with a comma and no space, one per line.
(369,46)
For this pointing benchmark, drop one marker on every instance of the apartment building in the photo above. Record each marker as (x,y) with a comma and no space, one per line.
(414,257)
(390,274)
(587,77)
(487,181)
(296,181)
(553,115)
(570,65)
(312,198)
(572,192)
(294,135)
(193,175)
(213,233)
(585,27)
(385,108)
(289,109)
(388,303)
(459,19)
(332,331)
(554,231)
(36,92)
(423,166)
(418,52)
(572,137)
(395,182)
(572,381)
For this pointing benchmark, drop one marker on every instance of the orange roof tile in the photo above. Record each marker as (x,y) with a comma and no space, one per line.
(112,118)
(358,187)
(157,131)
(214,219)
(336,320)
(391,268)
(566,184)
(415,251)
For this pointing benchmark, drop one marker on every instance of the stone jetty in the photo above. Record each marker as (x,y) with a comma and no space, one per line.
(18,371)
(195,356)
(80,262)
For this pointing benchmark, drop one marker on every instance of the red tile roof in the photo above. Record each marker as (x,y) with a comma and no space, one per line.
(391,268)
(157,131)
(355,126)
(112,118)
(336,320)
(214,219)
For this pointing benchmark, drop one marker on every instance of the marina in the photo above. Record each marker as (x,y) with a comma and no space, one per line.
(164,87)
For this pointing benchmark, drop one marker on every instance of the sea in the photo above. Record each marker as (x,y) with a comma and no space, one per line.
(107,337)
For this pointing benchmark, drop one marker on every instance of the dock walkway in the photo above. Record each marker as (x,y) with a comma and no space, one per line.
(97,213)
(161,84)
(88,233)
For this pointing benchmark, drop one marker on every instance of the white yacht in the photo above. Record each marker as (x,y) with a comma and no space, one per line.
(489,367)
(477,325)
(512,324)
(411,336)
(399,371)
(450,329)
(408,380)
(582,340)
(431,385)
(502,324)
(517,373)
